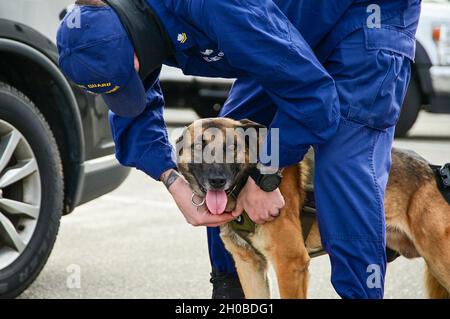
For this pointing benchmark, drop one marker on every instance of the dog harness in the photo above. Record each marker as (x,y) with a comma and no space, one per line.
(442,175)
(244,226)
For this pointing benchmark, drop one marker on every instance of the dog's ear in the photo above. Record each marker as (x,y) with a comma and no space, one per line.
(252,147)
(247,124)
(180,138)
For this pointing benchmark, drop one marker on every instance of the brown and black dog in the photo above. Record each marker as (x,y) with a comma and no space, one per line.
(417,217)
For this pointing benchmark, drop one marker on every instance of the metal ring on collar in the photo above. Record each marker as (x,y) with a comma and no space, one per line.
(197,204)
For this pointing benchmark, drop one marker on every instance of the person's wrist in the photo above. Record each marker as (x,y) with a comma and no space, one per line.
(252,181)
(170,178)
(266,178)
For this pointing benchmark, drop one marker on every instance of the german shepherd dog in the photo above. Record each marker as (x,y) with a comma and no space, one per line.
(417,217)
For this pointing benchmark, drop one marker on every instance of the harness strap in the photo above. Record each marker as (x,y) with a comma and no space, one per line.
(308,214)
(442,176)
(244,226)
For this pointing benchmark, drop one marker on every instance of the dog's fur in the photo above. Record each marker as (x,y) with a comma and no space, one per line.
(417,219)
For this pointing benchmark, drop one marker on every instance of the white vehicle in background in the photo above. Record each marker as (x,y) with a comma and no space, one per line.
(430,83)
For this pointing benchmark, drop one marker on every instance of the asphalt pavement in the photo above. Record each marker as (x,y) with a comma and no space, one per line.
(133,242)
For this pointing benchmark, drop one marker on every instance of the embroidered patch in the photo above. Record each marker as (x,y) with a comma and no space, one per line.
(209,55)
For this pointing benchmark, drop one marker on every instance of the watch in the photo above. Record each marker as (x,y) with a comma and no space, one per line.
(267,182)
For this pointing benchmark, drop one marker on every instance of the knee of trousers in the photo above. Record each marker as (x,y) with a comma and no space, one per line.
(351,172)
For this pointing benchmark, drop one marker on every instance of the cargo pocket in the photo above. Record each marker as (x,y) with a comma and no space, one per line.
(396,45)
(383,78)
(388,92)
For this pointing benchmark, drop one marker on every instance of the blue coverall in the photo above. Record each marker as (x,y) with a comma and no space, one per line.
(327,74)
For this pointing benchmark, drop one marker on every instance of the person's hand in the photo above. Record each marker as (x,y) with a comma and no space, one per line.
(196,216)
(137,64)
(260,206)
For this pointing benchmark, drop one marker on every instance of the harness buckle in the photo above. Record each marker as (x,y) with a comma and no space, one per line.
(445,175)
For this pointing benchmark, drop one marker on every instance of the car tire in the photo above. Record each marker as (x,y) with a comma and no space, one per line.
(410,110)
(25,120)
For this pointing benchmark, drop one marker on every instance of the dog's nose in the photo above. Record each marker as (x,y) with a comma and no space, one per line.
(217,182)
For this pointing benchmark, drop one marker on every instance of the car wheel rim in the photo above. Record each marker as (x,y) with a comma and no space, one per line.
(20,194)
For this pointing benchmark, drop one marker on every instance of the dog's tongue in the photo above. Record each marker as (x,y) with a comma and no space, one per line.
(216,201)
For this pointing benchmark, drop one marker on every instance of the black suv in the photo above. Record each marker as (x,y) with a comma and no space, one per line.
(56,150)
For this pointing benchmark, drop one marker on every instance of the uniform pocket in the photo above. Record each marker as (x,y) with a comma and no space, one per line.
(384,95)
(391,38)
(372,75)
(392,50)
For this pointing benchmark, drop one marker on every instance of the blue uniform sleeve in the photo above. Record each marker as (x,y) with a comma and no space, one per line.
(257,38)
(142,142)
